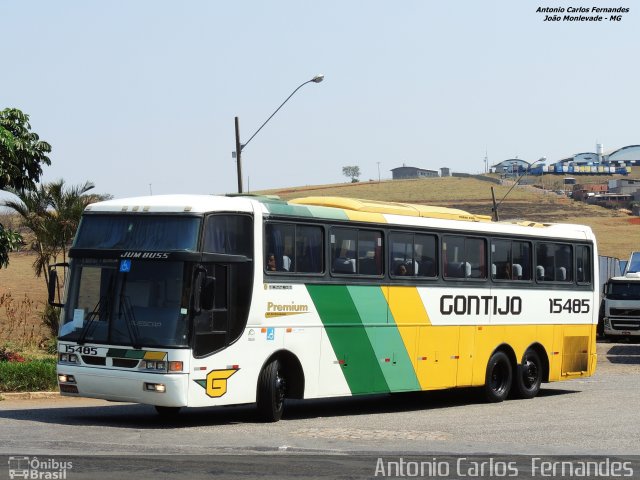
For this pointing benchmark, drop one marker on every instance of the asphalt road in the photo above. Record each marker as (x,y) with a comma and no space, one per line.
(594,416)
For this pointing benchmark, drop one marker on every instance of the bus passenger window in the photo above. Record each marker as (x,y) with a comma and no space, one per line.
(554,262)
(510,260)
(356,252)
(583,264)
(294,248)
(464,257)
(412,255)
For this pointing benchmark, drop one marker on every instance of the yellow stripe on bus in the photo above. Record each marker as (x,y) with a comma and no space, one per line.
(409,314)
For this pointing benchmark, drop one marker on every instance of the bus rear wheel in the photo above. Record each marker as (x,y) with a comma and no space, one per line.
(498,378)
(529,377)
(272,389)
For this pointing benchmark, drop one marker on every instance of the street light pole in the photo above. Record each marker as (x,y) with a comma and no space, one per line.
(240,146)
(238,153)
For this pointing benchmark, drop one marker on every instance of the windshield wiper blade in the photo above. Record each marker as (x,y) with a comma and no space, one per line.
(90,319)
(130,320)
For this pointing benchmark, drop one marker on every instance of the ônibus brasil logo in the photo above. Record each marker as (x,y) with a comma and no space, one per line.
(34,468)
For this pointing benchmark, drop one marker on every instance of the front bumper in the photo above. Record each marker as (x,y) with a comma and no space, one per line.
(124,386)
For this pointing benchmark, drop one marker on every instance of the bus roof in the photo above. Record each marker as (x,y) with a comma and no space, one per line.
(351,209)
(336,208)
(173,204)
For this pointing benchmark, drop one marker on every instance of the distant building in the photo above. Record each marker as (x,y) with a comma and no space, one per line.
(625,157)
(512,166)
(445,172)
(620,161)
(625,186)
(404,172)
(582,192)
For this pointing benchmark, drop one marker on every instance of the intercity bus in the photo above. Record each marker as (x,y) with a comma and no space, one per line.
(195,301)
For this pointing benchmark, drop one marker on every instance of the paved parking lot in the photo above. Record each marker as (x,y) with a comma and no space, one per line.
(597,415)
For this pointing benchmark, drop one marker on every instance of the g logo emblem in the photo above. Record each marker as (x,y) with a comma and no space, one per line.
(217,382)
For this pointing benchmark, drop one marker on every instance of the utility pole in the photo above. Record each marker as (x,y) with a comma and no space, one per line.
(238,155)
(239,146)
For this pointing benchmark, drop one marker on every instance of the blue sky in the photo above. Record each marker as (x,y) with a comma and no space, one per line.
(137,93)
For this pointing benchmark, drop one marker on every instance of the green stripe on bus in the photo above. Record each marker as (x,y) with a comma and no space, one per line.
(348,338)
(124,353)
(385,338)
(280,208)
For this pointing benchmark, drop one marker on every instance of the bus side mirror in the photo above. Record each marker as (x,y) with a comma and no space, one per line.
(208,293)
(54,286)
(204,292)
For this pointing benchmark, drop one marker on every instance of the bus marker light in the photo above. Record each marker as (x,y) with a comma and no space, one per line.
(198,369)
(423,358)
(263,330)
(289,330)
(387,360)
(177,367)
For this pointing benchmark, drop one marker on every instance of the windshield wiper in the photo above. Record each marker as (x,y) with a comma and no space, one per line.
(130,320)
(90,319)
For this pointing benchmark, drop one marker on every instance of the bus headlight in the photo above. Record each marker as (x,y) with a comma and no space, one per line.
(153,366)
(67,358)
(607,322)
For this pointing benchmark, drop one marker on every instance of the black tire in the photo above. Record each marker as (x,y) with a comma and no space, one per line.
(529,375)
(168,412)
(272,389)
(498,378)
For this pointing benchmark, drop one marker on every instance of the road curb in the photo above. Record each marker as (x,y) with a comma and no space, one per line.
(28,395)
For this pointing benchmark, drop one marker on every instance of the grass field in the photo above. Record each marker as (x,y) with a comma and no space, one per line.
(22,300)
(23,296)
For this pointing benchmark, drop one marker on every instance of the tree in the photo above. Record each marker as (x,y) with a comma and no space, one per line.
(22,154)
(9,241)
(52,212)
(353,172)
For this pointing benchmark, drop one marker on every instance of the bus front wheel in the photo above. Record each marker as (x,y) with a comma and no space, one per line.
(529,376)
(498,378)
(272,388)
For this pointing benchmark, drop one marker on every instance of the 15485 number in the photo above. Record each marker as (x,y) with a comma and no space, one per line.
(570,305)
(81,350)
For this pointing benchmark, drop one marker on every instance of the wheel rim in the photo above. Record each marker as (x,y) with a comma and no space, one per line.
(499,378)
(530,373)
(281,388)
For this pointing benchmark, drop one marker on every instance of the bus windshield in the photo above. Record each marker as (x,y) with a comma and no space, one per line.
(127,302)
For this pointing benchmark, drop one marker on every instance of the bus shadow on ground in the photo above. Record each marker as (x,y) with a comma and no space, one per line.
(624,354)
(145,416)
